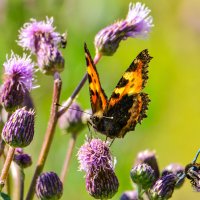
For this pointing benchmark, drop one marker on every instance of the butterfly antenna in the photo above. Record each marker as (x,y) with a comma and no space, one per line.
(112,142)
(195,158)
(107,117)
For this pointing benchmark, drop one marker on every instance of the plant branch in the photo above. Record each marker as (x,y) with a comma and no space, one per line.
(48,135)
(6,167)
(70,149)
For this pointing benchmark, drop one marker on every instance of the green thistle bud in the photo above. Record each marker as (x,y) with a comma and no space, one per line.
(143,175)
(19,129)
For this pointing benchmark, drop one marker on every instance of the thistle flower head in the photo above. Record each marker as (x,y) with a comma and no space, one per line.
(33,33)
(49,186)
(176,169)
(163,187)
(102,185)
(95,156)
(18,131)
(150,159)
(41,39)
(18,80)
(71,120)
(22,159)
(129,195)
(137,23)
(143,175)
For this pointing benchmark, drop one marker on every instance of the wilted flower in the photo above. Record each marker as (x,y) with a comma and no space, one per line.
(176,169)
(22,159)
(129,195)
(143,175)
(49,186)
(41,39)
(18,77)
(137,23)
(102,184)
(71,120)
(163,187)
(149,158)
(18,131)
(95,155)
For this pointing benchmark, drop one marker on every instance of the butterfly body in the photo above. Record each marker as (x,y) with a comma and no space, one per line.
(127,105)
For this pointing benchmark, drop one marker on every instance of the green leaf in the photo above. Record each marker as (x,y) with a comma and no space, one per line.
(4,196)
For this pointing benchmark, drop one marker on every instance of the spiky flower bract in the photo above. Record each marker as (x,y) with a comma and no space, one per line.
(18,131)
(18,79)
(49,186)
(137,24)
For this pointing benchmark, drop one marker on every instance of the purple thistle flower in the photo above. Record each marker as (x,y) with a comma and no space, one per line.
(138,23)
(163,187)
(129,195)
(95,156)
(18,131)
(49,186)
(41,39)
(71,120)
(22,159)
(18,77)
(176,169)
(149,158)
(102,185)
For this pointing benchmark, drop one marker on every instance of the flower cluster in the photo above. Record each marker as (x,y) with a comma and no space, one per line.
(95,159)
(145,175)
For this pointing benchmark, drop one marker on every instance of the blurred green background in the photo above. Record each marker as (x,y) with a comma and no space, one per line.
(171,128)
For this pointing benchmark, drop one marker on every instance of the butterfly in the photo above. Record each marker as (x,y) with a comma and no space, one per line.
(127,106)
(192,172)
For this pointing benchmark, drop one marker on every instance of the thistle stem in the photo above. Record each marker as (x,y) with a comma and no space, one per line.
(6,167)
(77,89)
(22,176)
(70,149)
(48,135)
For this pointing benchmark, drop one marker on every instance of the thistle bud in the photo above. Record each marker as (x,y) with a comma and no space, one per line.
(103,184)
(22,159)
(18,131)
(129,195)
(49,186)
(176,169)
(143,175)
(71,120)
(163,187)
(149,158)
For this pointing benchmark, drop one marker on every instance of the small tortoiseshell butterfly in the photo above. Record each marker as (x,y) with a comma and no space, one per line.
(127,105)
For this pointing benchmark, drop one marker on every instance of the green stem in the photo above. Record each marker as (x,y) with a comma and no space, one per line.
(48,135)
(70,149)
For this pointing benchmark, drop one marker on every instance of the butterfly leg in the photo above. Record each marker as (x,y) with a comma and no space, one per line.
(90,132)
(195,158)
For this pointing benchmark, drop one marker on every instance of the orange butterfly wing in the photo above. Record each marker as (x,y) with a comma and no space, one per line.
(98,98)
